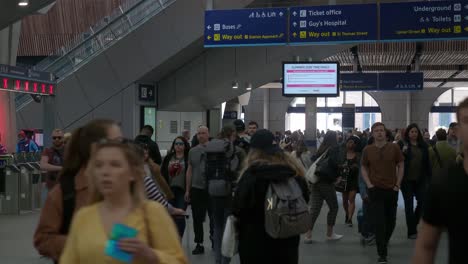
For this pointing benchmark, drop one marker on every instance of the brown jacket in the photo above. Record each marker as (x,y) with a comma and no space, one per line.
(47,239)
(156,171)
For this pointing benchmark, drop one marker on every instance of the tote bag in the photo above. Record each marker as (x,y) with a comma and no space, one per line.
(310,176)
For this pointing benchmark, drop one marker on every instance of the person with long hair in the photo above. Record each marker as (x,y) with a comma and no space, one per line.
(302,154)
(350,174)
(115,175)
(324,189)
(72,191)
(264,164)
(174,171)
(418,171)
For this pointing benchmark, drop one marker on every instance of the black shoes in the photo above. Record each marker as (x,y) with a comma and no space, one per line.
(349,223)
(199,250)
(382,260)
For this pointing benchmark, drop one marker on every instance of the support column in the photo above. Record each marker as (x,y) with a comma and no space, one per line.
(266,108)
(9,39)
(48,122)
(311,122)
(209,4)
(408,108)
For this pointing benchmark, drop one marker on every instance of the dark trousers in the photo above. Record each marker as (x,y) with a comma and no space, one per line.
(366,226)
(411,190)
(320,192)
(200,206)
(179,202)
(220,212)
(383,206)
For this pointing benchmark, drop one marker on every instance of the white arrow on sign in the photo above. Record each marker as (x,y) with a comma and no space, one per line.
(208,27)
(294,24)
(281,14)
(294,13)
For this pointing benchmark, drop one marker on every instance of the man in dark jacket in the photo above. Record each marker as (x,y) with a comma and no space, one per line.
(145,137)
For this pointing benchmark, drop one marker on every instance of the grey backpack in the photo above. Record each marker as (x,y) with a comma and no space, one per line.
(221,165)
(286,211)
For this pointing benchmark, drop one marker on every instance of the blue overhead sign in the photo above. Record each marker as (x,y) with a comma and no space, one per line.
(385,81)
(424,20)
(359,82)
(246,27)
(392,81)
(339,23)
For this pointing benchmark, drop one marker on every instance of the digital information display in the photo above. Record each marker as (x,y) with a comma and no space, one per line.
(311,79)
(22,80)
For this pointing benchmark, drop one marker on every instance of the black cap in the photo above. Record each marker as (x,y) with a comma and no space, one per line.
(355,139)
(264,140)
(239,124)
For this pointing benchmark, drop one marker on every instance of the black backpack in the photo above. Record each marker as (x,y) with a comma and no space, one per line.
(221,166)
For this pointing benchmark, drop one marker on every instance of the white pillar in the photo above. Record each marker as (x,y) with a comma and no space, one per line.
(9,39)
(408,109)
(311,122)
(266,108)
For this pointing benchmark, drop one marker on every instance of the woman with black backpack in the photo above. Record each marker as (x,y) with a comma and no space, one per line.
(327,171)
(266,165)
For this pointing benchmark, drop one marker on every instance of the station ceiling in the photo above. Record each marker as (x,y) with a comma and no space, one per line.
(10,12)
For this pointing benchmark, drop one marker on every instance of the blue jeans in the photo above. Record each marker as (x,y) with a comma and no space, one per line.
(179,202)
(220,211)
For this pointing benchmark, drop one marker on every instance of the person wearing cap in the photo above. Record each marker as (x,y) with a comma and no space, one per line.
(25,144)
(265,163)
(243,139)
(349,175)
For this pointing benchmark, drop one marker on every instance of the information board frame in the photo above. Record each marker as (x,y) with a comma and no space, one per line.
(312,95)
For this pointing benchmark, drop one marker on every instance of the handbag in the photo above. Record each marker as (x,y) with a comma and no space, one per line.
(311,175)
(230,244)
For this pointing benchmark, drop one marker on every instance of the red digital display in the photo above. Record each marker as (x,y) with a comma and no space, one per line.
(18,85)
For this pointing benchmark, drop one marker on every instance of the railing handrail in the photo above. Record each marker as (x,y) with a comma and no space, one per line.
(94,33)
(132,21)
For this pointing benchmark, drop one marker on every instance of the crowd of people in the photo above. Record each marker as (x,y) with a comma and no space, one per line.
(98,182)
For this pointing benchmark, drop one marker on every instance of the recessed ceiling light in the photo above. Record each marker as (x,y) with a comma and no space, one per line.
(23,2)
(235,85)
(248,87)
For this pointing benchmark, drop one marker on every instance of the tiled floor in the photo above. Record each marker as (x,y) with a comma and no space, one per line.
(16,244)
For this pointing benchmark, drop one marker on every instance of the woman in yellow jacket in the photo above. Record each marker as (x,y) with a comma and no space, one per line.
(117,197)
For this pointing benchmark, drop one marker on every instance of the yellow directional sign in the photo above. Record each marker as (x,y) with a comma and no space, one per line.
(209,37)
(303,34)
(295,34)
(217,37)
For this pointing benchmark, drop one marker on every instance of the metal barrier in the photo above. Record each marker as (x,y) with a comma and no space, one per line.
(9,179)
(36,185)
(26,191)
(20,183)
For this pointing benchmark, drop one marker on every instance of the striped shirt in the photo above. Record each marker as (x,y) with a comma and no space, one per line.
(153,192)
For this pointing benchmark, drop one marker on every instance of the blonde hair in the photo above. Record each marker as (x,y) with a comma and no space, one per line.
(259,157)
(134,160)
